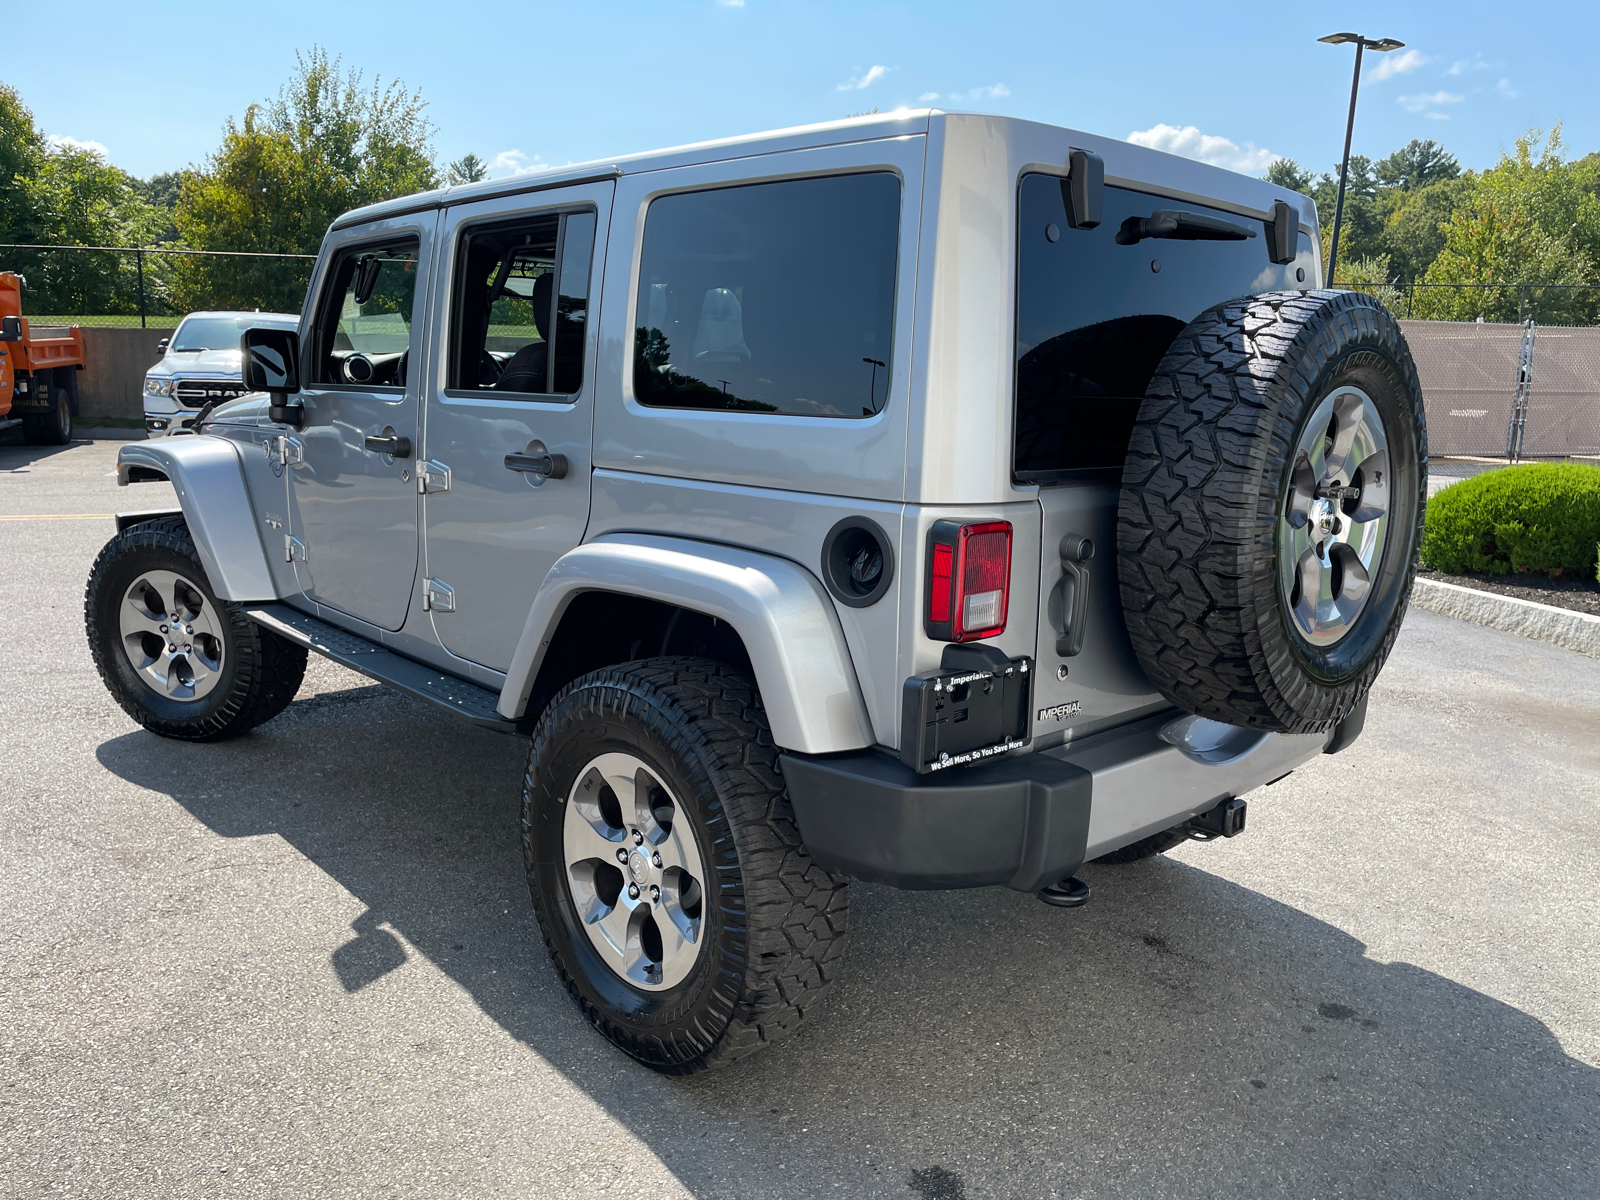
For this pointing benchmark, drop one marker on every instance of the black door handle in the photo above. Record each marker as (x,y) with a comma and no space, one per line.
(394,445)
(539,463)
(1075,555)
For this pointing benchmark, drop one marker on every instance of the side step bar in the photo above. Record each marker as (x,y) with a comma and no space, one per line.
(476,704)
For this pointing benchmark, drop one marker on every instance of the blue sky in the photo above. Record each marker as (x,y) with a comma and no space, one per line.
(531,84)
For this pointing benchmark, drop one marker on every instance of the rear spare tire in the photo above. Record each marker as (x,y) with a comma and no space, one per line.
(1272,507)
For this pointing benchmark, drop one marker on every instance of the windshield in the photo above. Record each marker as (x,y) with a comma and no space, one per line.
(217,333)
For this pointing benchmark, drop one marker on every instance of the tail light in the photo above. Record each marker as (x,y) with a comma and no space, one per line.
(969,580)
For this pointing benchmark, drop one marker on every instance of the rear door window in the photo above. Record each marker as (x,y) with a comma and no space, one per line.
(770,298)
(1094,319)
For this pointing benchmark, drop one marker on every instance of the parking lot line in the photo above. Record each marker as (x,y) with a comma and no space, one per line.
(58,517)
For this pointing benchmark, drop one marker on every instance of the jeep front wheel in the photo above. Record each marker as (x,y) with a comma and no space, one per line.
(673,893)
(1272,508)
(179,661)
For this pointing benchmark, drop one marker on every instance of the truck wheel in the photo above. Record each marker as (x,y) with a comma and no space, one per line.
(1272,507)
(53,427)
(178,660)
(673,893)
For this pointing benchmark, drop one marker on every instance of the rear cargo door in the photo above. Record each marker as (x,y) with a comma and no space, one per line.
(1094,317)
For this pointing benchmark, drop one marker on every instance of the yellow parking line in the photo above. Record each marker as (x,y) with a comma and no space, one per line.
(60,517)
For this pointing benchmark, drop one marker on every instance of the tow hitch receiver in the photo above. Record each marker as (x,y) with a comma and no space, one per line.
(1226,819)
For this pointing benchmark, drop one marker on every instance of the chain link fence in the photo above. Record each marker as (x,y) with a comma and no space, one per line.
(150,287)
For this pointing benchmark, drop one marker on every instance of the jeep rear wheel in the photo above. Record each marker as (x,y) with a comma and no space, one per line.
(1272,508)
(673,893)
(179,661)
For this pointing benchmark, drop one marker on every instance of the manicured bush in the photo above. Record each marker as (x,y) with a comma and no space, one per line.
(1539,518)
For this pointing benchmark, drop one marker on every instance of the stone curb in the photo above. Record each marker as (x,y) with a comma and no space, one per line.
(1542,622)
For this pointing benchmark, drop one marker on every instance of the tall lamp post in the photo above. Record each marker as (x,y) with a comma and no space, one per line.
(1383,46)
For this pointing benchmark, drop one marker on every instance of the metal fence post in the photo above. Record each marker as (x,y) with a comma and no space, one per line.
(1519,408)
(139,256)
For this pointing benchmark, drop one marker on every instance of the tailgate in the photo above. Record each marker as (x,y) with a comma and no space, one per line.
(1102,684)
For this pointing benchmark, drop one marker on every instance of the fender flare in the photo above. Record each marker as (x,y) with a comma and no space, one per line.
(779,609)
(208,476)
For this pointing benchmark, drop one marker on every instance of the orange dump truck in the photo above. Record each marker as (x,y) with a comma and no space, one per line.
(38,371)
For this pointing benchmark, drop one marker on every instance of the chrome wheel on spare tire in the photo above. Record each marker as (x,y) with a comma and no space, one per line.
(1335,522)
(1272,509)
(635,871)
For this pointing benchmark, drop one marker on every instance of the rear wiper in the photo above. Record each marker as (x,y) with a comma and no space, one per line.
(1181,227)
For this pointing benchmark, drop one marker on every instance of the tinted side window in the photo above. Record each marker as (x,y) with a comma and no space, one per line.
(509,311)
(1094,319)
(363,331)
(773,297)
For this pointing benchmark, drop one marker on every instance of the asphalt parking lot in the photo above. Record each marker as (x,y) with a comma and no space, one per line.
(304,963)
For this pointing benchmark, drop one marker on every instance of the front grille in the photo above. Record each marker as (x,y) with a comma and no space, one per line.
(192,393)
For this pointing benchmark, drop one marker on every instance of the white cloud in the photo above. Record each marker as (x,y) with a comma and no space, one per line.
(1397,64)
(928,96)
(871,77)
(1476,63)
(1208,148)
(62,141)
(978,93)
(731,3)
(1430,100)
(515,162)
(1505,89)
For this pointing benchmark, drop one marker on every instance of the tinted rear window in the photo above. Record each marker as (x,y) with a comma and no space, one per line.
(772,298)
(1094,319)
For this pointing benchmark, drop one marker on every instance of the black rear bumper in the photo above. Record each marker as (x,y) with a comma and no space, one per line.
(1022,822)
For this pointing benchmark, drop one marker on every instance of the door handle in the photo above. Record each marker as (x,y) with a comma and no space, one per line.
(1075,555)
(393,445)
(538,463)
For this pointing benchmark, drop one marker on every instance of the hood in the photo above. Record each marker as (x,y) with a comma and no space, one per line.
(217,364)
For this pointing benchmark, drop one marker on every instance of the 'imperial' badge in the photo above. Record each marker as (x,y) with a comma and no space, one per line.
(1060,712)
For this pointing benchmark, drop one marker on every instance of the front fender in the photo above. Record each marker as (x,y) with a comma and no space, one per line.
(208,476)
(787,622)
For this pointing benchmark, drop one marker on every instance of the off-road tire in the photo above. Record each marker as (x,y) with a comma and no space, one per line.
(261,672)
(52,427)
(1207,477)
(1149,847)
(773,936)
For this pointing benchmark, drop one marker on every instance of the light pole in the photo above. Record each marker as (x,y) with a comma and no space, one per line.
(1383,46)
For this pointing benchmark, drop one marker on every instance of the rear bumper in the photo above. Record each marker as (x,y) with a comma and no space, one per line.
(1029,820)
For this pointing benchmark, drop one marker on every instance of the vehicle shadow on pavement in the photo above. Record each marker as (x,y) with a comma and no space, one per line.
(17,455)
(1181,1035)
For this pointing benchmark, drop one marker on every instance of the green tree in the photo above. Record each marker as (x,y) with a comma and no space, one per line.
(1416,165)
(1286,173)
(21,152)
(1413,235)
(1531,222)
(326,145)
(469,168)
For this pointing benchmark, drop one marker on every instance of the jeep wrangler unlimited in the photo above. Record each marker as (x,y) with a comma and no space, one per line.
(934,499)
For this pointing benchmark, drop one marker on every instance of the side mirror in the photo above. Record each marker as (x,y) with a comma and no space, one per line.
(271,363)
(10,329)
(161,346)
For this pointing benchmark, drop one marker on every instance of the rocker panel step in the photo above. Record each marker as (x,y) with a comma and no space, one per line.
(476,704)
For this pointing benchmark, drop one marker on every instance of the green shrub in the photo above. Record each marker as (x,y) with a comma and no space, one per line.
(1541,518)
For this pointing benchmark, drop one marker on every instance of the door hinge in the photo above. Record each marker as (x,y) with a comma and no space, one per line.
(432,477)
(294,550)
(291,451)
(437,596)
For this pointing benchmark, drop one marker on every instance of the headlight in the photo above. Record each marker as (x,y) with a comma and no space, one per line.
(155,386)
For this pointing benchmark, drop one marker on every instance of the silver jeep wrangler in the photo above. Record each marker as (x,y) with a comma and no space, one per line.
(933,499)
